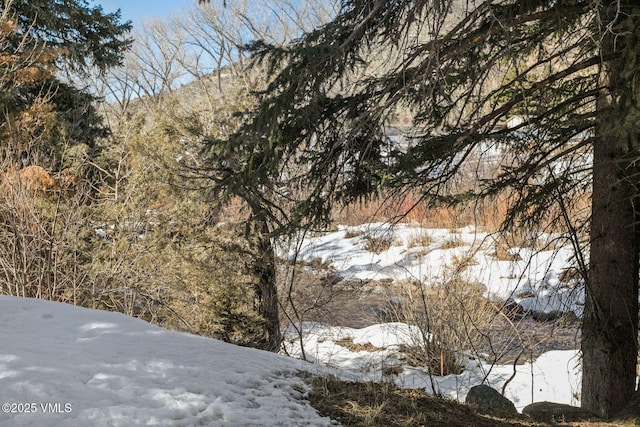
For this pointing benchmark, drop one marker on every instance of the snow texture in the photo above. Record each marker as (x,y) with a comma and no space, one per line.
(62,365)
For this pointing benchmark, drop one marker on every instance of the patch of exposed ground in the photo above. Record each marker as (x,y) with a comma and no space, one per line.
(525,339)
(384,404)
(320,296)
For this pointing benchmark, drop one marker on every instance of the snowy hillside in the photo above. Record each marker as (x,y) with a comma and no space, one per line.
(62,365)
(67,366)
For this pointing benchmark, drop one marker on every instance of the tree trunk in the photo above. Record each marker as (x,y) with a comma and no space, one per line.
(610,323)
(266,288)
(609,329)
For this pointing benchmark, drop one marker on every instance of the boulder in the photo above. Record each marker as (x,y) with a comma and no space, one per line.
(486,397)
(550,412)
(545,316)
(513,310)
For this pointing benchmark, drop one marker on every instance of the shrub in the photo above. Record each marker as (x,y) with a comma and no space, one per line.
(451,316)
(377,244)
(351,233)
(502,252)
(452,243)
(421,240)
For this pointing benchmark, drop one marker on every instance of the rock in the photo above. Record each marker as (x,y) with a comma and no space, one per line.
(513,310)
(557,412)
(546,316)
(485,397)
(568,320)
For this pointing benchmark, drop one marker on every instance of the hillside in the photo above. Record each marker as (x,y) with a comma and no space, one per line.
(69,366)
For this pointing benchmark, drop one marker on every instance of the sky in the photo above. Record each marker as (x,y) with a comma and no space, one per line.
(139,10)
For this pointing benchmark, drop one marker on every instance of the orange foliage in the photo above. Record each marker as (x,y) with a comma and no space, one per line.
(30,65)
(33,179)
(42,65)
(30,127)
(409,208)
(7,27)
(31,75)
(489,214)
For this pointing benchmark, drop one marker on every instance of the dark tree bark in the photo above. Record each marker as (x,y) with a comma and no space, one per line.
(266,287)
(610,323)
(609,330)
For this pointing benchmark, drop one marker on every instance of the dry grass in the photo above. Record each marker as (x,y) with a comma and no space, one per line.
(350,234)
(452,243)
(461,263)
(421,240)
(351,346)
(384,404)
(316,264)
(505,242)
(377,244)
(489,215)
(502,252)
(570,275)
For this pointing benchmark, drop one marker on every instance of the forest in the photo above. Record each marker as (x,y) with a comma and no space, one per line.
(246,170)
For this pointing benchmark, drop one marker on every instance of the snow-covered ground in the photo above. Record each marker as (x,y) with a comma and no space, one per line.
(67,366)
(530,279)
(62,365)
(553,377)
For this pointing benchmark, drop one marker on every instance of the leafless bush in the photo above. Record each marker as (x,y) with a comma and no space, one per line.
(41,229)
(421,240)
(451,316)
(377,244)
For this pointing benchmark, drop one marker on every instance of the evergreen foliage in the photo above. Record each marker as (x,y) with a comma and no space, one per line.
(41,41)
(50,131)
(567,68)
(460,88)
(83,36)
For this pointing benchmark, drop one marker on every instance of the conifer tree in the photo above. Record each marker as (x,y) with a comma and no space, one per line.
(54,38)
(50,132)
(461,70)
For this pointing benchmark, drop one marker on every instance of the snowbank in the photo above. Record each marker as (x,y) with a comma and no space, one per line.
(554,376)
(531,278)
(62,365)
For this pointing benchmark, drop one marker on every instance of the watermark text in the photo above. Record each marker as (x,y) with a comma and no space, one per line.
(36,407)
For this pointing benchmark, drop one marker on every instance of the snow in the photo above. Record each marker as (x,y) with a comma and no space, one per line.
(553,377)
(70,366)
(62,365)
(531,280)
